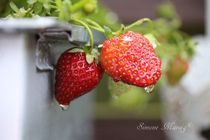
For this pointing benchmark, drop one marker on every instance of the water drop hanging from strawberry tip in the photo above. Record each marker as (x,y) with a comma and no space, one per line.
(149,89)
(64,107)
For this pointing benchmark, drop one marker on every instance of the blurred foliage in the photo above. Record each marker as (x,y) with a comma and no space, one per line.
(126,96)
(3,6)
(106,17)
(62,9)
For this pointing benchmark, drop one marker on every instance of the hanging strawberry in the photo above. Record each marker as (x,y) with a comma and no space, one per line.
(131,58)
(77,73)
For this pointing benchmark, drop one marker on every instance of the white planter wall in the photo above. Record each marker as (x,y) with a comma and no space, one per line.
(27,108)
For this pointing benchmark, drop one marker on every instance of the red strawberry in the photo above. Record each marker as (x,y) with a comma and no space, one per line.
(75,76)
(131,58)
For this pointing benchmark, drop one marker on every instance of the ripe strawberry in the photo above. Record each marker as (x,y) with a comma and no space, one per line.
(177,68)
(131,58)
(75,76)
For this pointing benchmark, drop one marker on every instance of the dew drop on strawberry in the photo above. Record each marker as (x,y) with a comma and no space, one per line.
(64,107)
(149,89)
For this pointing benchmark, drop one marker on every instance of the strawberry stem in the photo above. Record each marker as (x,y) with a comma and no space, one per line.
(123,29)
(90,34)
(137,23)
(95,25)
(105,30)
(97,29)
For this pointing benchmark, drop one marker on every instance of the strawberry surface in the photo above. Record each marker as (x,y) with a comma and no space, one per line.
(74,76)
(131,58)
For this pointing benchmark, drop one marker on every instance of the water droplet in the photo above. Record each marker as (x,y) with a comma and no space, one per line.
(64,107)
(149,89)
(116,79)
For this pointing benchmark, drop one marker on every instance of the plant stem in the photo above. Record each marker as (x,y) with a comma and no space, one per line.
(95,24)
(120,31)
(90,34)
(97,29)
(138,22)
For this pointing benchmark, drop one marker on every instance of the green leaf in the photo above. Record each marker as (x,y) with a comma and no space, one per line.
(95,54)
(152,40)
(108,32)
(58,4)
(122,29)
(66,5)
(47,6)
(166,10)
(89,58)
(74,50)
(31,1)
(38,8)
(14,7)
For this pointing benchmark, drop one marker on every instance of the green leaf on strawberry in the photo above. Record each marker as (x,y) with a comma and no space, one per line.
(152,40)
(73,50)
(108,32)
(89,58)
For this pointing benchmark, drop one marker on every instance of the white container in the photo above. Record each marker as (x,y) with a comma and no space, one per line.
(27,108)
(187,104)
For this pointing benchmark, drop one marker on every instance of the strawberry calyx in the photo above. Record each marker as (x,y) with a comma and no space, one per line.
(108,31)
(152,40)
(74,50)
(90,54)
